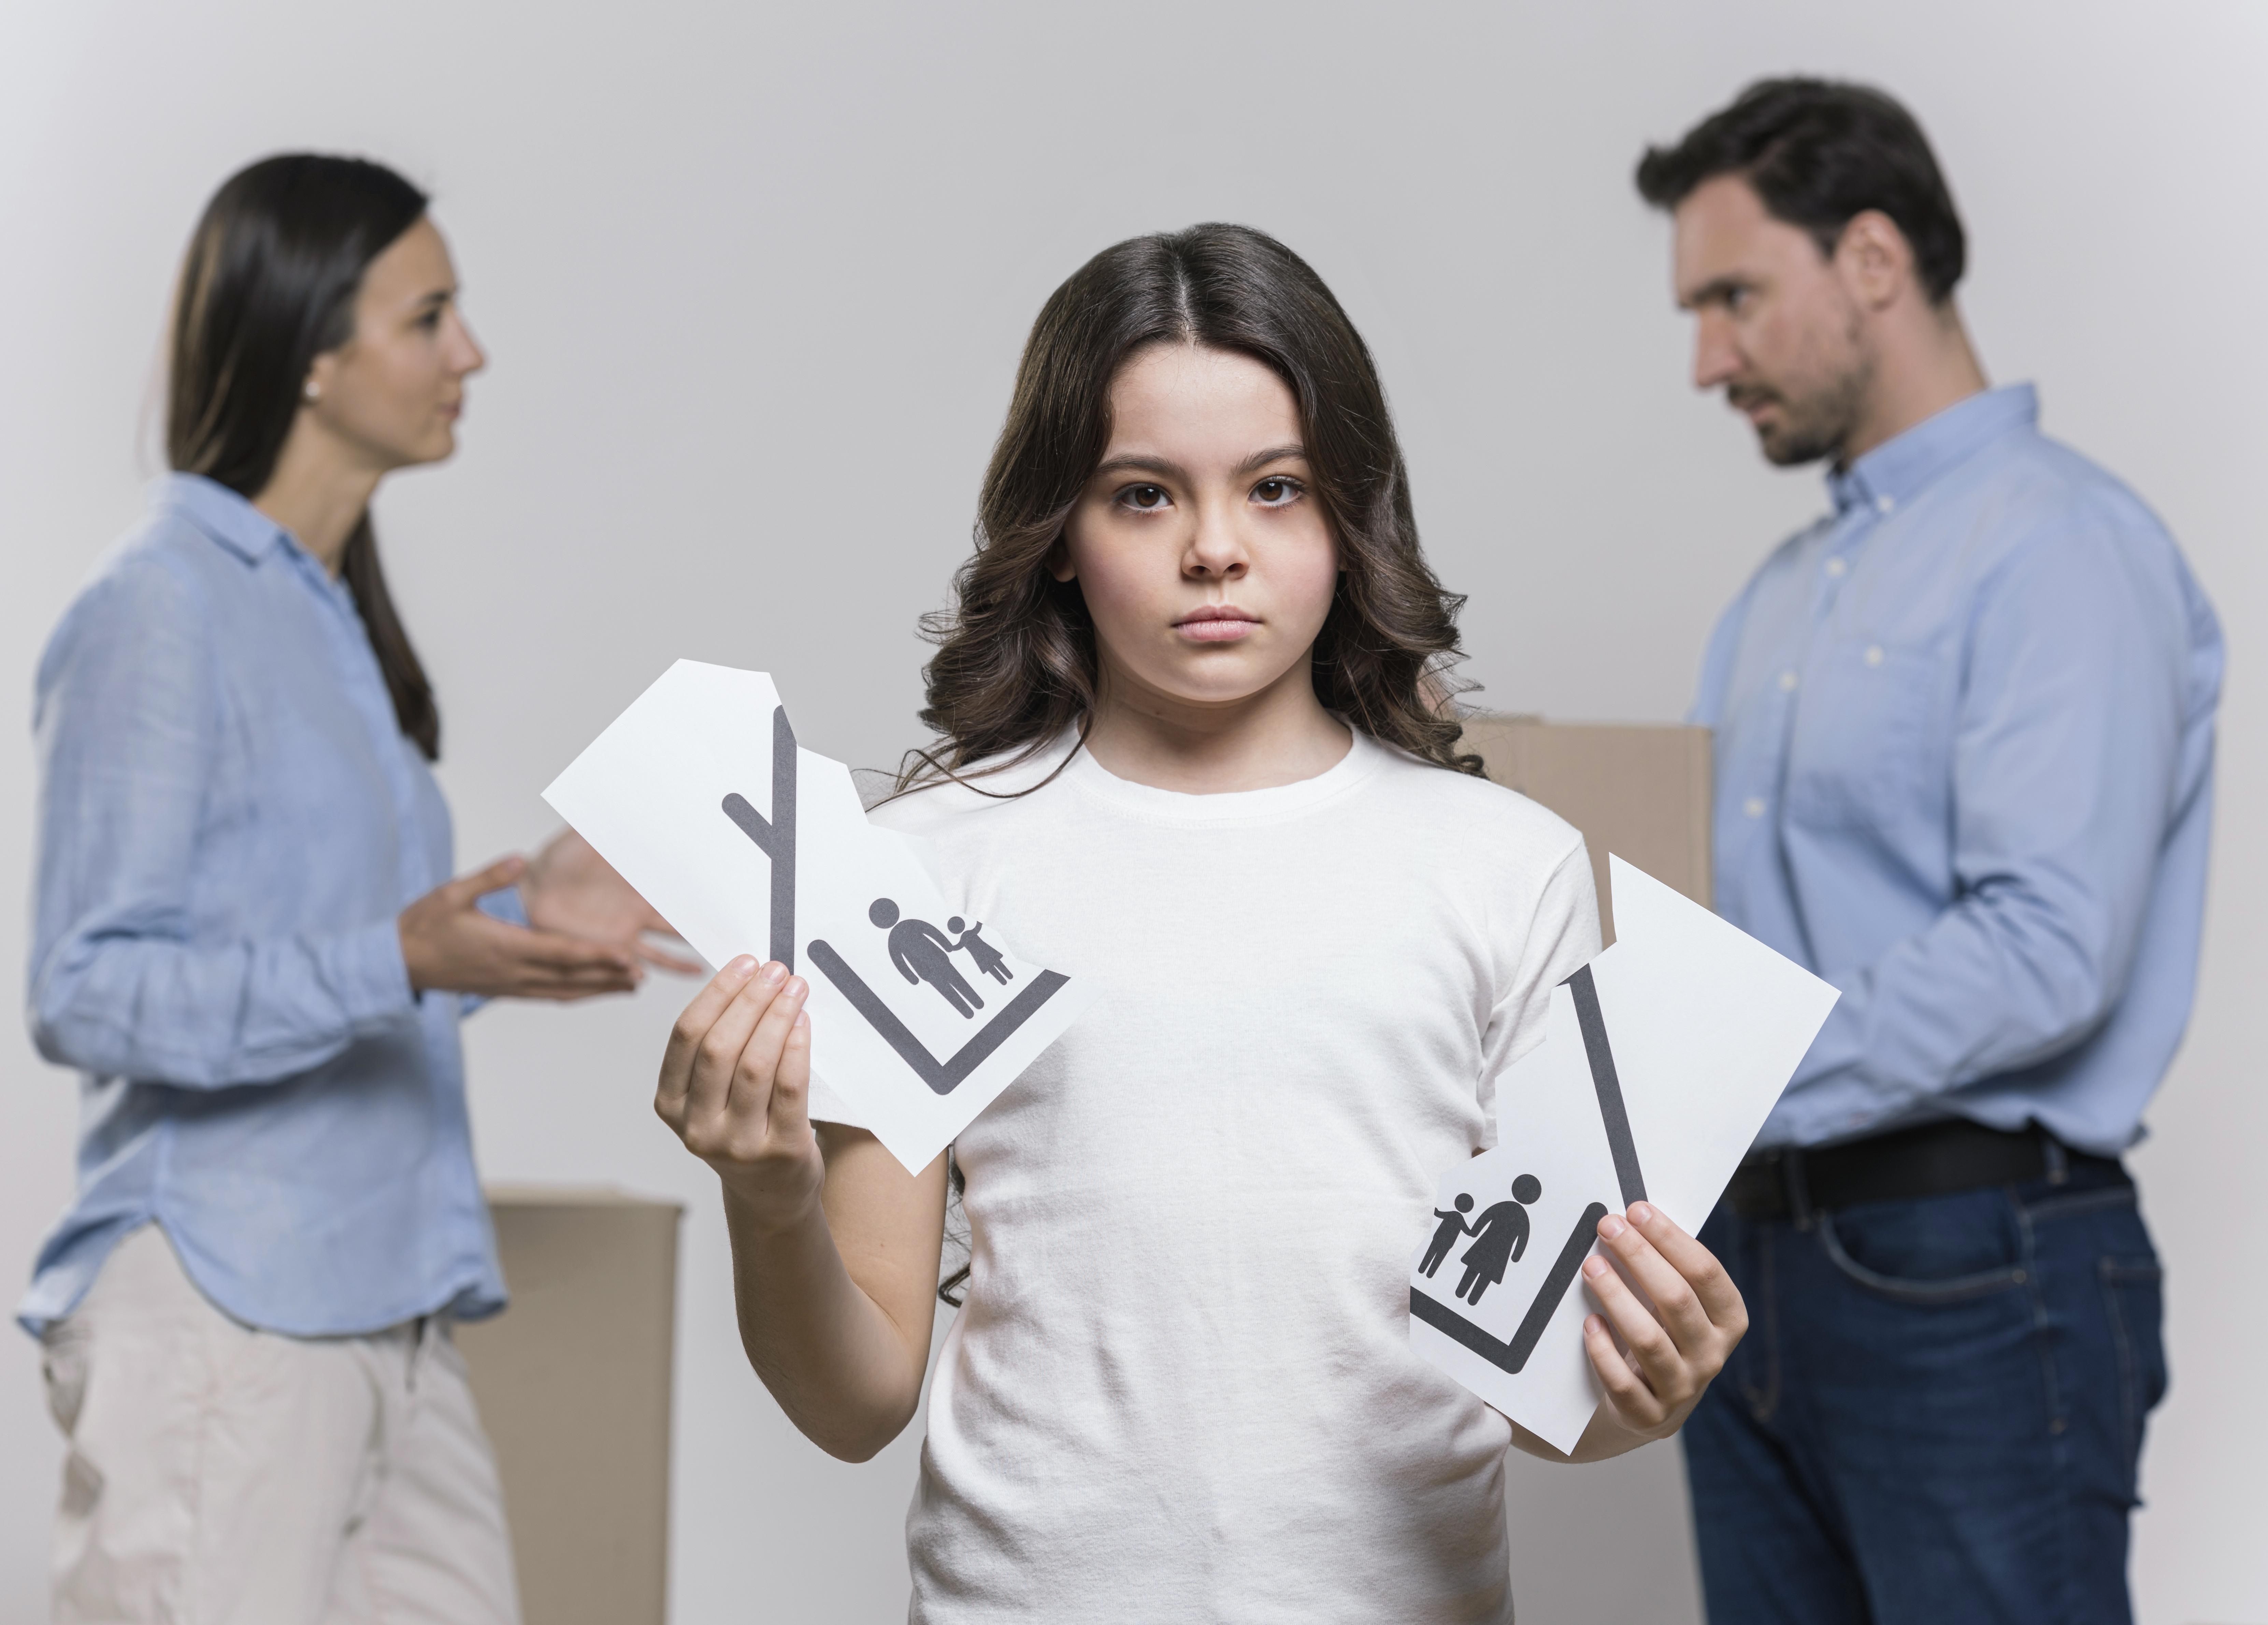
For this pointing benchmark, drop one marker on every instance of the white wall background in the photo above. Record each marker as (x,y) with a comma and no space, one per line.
(753,280)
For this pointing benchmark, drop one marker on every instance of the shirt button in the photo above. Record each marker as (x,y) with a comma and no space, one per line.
(1754,806)
(1874,654)
(1787,682)
(1836,567)
(1885,503)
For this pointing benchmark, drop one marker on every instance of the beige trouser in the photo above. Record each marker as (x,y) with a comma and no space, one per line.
(221,1475)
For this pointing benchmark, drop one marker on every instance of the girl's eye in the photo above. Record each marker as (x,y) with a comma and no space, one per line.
(1148,498)
(1275,493)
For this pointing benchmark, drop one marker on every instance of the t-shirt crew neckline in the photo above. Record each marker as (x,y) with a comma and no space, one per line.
(1363,759)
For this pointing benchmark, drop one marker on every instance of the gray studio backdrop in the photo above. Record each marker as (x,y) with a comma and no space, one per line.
(753,280)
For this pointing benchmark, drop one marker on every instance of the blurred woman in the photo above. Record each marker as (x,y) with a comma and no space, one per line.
(247,942)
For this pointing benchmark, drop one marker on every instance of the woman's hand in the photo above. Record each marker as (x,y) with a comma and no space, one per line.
(736,1087)
(449,945)
(1676,1349)
(571,890)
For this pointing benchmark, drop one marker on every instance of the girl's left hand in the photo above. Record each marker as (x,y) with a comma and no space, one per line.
(1676,1349)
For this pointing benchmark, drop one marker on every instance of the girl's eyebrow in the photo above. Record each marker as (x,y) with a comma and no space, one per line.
(1274,454)
(1165,467)
(1137,464)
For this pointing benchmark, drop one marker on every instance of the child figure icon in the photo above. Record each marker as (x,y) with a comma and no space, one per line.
(989,961)
(1499,1238)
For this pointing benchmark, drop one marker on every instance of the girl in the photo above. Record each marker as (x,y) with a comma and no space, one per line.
(247,942)
(1193,748)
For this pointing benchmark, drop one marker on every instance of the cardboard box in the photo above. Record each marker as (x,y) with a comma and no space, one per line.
(1642,791)
(574,1385)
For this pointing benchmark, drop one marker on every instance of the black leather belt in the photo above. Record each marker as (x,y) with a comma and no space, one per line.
(1935,1159)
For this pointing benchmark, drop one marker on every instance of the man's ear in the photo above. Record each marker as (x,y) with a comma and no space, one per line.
(1874,259)
(1058,561)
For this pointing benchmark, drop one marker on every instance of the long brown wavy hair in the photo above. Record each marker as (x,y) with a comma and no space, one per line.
(1016,663)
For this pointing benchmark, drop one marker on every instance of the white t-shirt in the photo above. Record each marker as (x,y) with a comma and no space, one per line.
(1181,1387)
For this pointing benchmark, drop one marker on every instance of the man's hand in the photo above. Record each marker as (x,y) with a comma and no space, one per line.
(1676,1349)
(571,890)
(448,944)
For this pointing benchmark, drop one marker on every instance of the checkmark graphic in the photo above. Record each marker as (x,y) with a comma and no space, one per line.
(942,1076)
(1614,1116)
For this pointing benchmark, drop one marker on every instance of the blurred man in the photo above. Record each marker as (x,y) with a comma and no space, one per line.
(1964,772)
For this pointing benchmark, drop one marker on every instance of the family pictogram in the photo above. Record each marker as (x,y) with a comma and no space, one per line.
(1499,1238)
(922,953)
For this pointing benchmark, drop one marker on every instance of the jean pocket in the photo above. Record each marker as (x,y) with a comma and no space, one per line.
(2134,1294)
(1919,1289)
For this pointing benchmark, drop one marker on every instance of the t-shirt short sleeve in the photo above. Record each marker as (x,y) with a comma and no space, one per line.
(1561,936)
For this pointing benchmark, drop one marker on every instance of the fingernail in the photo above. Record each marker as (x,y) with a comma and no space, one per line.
(775,971)
(797,987)
(1610,1227)
(803,1017)
(1593,1268)
(1641,1213)
(742,966)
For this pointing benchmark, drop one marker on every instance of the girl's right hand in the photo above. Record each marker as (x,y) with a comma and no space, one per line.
(736,1088)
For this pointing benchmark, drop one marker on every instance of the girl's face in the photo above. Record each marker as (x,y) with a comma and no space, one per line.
(1206,562)
(394,390)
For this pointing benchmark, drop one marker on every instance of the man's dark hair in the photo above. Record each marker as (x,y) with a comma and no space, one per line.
(1817,153)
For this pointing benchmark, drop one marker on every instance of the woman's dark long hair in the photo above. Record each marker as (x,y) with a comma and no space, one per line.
(1016,663)
(269,283)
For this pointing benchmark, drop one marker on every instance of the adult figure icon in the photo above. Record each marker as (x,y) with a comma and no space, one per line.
(989,961)
(924,953)
(1500,1239)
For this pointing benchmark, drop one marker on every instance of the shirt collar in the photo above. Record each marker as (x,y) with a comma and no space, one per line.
(1899,469)
(221,514)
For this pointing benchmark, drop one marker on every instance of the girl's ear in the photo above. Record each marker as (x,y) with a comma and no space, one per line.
(1058,561)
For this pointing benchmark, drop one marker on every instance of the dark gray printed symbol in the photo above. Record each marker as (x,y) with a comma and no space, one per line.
(1501,1234)
(776,835)
(989,960)
(1608,1083)
(1512,1355)
(921,955)
(1500,1239)
(944,1077)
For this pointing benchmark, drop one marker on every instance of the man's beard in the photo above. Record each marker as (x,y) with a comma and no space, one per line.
(1817,421)
(1814,425)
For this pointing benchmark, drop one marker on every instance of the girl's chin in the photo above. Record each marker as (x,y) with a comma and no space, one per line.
(1212,682)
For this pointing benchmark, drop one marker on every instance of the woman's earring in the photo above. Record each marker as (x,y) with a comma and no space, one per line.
(312,390)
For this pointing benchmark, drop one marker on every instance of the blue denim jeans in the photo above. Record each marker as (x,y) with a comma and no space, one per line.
(1936,1413)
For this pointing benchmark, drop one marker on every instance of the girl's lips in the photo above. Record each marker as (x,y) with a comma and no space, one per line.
(1216,623)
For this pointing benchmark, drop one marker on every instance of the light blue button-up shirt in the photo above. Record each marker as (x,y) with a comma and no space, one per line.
(229,820)
(1964,773)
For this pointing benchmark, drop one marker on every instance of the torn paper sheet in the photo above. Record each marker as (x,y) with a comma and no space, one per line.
(747,844)
(1660,1060)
